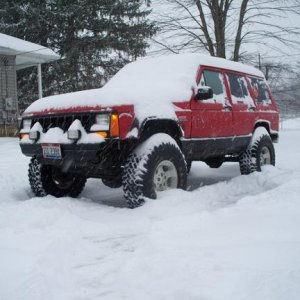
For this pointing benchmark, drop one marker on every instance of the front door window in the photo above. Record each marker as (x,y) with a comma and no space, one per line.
(214,80)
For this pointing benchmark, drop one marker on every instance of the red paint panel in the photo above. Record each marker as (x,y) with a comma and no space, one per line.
(126,119)
(243,118)
(211,123)
(211,119)
(66,110)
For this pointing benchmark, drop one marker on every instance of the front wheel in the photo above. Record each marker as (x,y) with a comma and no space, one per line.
(156,165)
(188,166)
(260,152)
(47,179)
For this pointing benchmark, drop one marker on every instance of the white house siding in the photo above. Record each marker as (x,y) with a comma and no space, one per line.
(8,90)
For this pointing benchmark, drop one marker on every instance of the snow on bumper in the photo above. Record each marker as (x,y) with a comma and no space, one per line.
(79,151)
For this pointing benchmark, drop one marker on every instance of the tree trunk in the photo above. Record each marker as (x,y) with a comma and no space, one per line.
(238,38)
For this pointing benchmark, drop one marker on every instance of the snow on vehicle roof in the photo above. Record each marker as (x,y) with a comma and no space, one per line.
(150,84)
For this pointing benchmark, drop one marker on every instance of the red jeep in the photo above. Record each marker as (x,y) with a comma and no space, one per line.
(144,128)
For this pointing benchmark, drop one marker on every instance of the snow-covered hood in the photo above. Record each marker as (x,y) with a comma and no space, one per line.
(104,99)
(152,85)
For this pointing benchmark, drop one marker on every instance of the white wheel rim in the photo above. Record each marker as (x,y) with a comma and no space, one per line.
(265,156)
(165,176)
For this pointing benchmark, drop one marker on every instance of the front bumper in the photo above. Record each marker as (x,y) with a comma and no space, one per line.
(93,160)
(77,153)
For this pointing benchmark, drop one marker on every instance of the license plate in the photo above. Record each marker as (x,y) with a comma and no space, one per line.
(51,151)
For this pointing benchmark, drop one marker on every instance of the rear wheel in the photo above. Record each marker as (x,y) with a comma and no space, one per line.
(263,152)
(156,165)
(47,179)
(259,153)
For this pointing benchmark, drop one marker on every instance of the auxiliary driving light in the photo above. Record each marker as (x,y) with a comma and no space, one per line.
(74,134)
(101,133)
(34,135)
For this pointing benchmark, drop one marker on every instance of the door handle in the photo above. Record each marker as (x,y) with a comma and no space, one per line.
(252,108)
(228,107)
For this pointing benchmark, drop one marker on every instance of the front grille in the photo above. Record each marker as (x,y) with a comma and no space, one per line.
(64,121)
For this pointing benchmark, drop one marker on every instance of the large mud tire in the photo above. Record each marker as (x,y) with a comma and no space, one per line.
(48,180)
(188,166)
(259,153)
(141,167)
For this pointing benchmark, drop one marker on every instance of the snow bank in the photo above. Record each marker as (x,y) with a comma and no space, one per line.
(230,237)
(291,124)
(151,84)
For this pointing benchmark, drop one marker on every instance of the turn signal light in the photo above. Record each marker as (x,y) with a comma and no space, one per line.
(24,136)
(114,126)
(102,133)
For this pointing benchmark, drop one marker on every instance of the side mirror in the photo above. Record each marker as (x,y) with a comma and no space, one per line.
(204,93)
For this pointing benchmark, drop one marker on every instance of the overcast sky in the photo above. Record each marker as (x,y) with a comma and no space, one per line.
(273,52)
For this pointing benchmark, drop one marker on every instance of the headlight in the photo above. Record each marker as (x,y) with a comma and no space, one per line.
(102,119)
(26,125)
(101,123)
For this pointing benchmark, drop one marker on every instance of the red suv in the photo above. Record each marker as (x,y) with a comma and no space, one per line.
(144,128)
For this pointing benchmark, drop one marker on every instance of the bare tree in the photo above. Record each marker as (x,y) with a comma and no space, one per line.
(225,28)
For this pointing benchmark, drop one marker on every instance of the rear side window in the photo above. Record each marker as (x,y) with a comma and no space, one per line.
(239,90)
(214,80)
(260,90)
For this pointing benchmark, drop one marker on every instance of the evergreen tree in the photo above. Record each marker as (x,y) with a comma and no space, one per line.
(24,20)
(94,38)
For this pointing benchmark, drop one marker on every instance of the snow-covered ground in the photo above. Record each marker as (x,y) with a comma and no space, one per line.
(229,237)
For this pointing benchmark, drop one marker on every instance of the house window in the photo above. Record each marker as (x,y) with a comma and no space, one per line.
(8,91)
